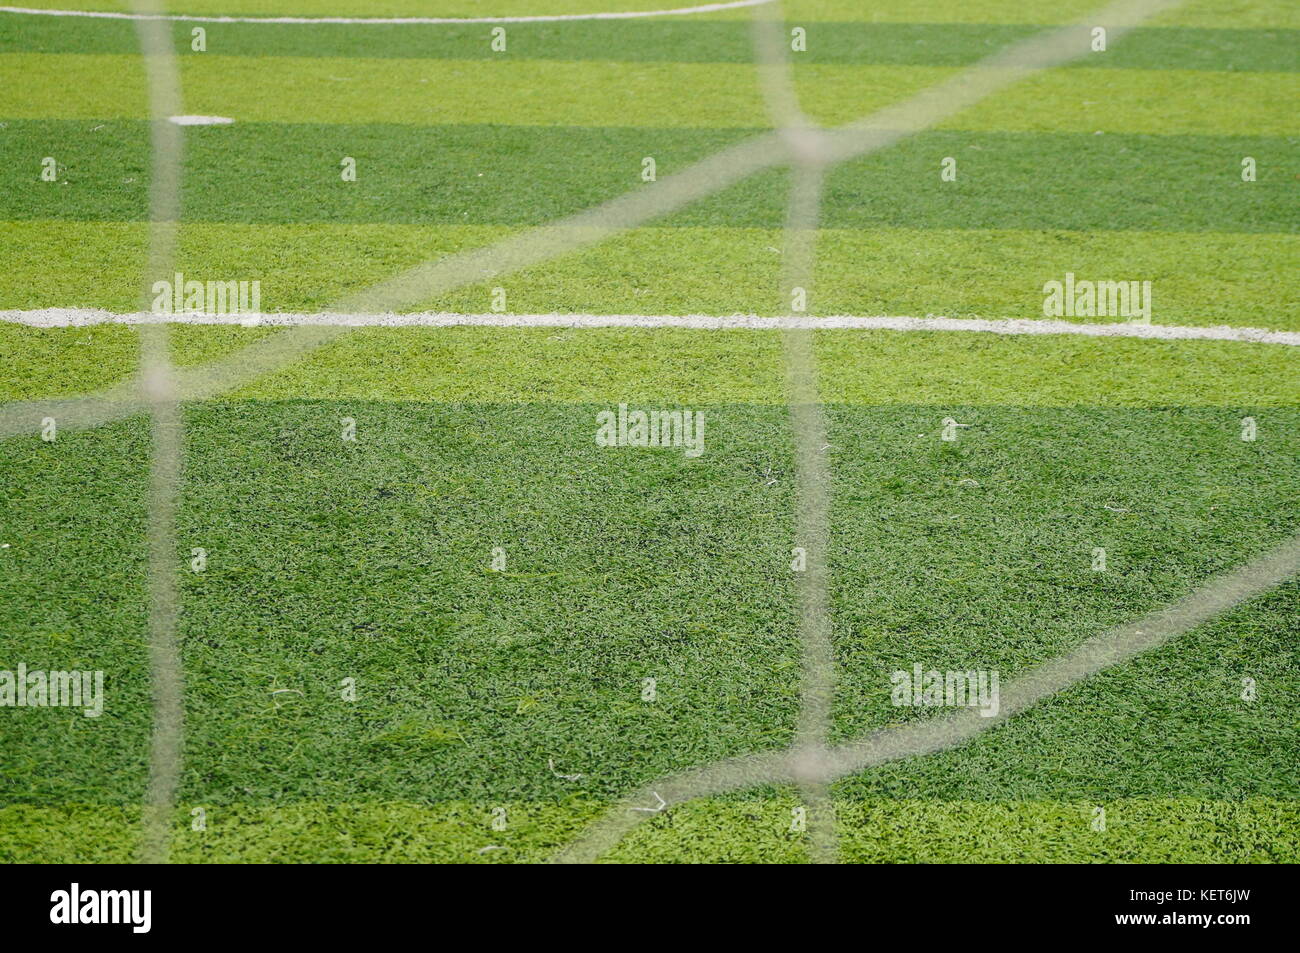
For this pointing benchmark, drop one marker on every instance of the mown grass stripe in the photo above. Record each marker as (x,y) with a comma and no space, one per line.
(1198,278)
(749,830)
(1117,745)
(604,93)
(687,366)
(677,41)
(1169,102)
(376,566)
(513,175)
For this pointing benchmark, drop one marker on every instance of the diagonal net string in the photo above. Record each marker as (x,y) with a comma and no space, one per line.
(1274,567)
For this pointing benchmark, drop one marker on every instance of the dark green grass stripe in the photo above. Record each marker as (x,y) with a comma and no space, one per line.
(272,173)
(329,560)
(620,566)
(702,41)
(1014,542)
(747,829)
(1173,719)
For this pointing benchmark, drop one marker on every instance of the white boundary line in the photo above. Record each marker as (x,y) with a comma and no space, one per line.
(86,317)
(367,21)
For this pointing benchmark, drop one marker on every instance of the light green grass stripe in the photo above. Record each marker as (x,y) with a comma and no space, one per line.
(1166,102)
(752,830)
(1204,278)
(595,92)
(429,92)
(694,368)
(1138,831)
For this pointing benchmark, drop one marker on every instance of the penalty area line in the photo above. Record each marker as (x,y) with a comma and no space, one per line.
(86,317)
(390,21)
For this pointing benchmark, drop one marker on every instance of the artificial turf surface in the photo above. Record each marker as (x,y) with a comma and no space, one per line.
(370,560)
(329,560)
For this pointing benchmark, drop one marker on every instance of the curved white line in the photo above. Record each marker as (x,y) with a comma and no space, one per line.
(366,21)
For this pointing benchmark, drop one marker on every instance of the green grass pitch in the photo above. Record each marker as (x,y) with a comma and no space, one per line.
(499,711)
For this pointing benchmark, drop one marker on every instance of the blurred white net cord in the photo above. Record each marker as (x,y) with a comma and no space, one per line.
(806,146)
(937,734)
(160,394)
(811,763)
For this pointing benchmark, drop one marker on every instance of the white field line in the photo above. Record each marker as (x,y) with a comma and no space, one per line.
(364,21)
(86,317)
(200,120)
